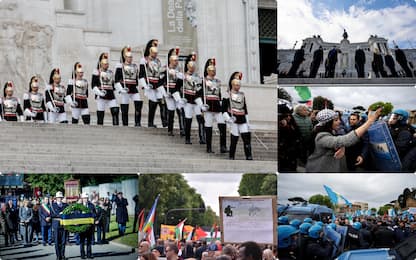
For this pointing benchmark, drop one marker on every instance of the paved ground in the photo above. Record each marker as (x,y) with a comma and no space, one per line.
(38,251)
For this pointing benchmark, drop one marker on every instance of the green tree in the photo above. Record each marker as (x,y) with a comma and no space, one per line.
(50,183)
(383,210)
(321,200)
(319,103)
(175,193)
(258,184)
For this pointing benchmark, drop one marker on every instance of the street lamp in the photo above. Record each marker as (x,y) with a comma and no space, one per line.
(182,209)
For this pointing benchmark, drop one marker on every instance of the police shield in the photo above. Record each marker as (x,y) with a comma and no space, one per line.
(382,147)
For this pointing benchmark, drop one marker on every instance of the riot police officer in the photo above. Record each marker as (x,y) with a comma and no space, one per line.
(316,247)
(287,236)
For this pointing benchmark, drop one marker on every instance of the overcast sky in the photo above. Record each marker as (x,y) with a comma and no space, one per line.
(391,19)
(213,185)
(348,97)
(376,189)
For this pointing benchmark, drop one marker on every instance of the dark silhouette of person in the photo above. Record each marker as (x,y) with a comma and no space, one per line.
(378,64)
(402,60)
(332,61)
(359,62)
(297,60)
(391,64)
(318,57)
(228,211)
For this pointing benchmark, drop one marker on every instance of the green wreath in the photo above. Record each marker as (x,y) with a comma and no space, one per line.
(76,208)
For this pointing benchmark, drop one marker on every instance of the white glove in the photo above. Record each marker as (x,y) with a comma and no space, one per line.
(205,107)
(247,121)
(143,84)
(228,118)
(71,102)
(52,108)
(99,92)
(183,101)
(74,104)
(176,96)
(29,113)
(147,86)
(198,101)
(120,88)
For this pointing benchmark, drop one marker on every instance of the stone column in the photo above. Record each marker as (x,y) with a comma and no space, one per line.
(130,188)
(252,41)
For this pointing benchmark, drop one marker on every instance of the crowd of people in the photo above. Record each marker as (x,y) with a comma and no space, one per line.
(327,141)
(168,87)
(202,250)
(38,220)
(306,239)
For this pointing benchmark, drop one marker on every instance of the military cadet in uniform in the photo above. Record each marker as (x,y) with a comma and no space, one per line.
(55,98)
(10,105)
(213,101)
(59,233)
(193,92)
(235,112)
(89,233)
(33,102)
(126,79)
(103,87)
(77,95)
(151,80)
(174,81)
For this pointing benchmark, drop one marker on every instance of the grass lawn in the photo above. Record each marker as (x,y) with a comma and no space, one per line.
(130,237)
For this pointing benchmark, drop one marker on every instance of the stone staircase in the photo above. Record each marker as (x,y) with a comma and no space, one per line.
(32,147)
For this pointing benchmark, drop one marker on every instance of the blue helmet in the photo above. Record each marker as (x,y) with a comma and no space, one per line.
(284,233)
(315,231)
(402,114)
(307,220)
(283,220)
(356,225)
(333,226)
(304,228)
(319,223)
(295,223)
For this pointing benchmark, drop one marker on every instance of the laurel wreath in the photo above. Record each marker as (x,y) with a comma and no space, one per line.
(74,208)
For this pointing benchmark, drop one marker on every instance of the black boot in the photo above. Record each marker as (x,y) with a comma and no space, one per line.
(247,145)
(223,138)
(86,119)
(100,117)
(163,113)
(181,115)
(188,124)
(233,146)
(114,114)
(138,113)
(208,135)
(201,131)
(74,121)
(125,114)
(171,115)
(151,115)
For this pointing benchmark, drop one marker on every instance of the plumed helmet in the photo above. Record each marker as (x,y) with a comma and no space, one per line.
(356,225)
(236,75)
(190,61)
(173,54)
(34,82)
(56,72)
(304,228)
(150,44)
(103,59)
(307,220)
(125,52)
(314,231)
(284,233)
(283,220)
(325,115)
(402,114)
(77,68)
(295,223)
(8,85)
(209,65)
